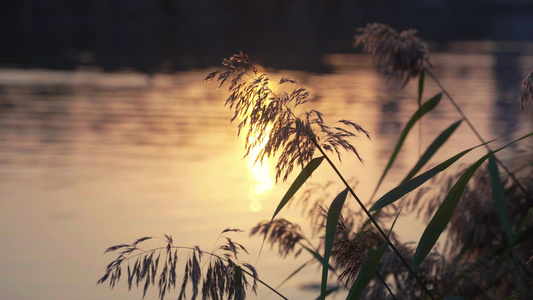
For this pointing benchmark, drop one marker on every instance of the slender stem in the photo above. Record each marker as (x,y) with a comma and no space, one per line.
(394,249)
(265,284)
(313,139)
(460,111)
(420,137)
(385,284)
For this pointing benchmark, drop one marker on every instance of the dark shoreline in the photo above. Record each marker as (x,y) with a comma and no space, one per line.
(166,35)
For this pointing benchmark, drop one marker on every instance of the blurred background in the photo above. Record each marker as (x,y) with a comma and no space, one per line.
(108,134)
(169,35)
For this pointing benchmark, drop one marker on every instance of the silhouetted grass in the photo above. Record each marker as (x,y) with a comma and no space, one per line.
(488,216)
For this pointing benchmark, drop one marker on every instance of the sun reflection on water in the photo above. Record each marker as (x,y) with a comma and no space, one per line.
(261,174)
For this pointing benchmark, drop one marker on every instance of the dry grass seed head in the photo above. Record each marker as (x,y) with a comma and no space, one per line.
(399,56)
(526,90)
(232,247)
(349,251)
(219,282)
(270,118)
(284,233)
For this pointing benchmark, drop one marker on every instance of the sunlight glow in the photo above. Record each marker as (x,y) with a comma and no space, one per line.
(255,206)
(260,171)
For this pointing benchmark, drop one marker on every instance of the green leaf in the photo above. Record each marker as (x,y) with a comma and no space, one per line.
(443,215)
(522,227)
(498,195)
(405,188)
(366,273)
(394,222)
(300,180)
(421,86)
(522,233)
(525,234)
(430,151)
(454,298)
(295,186)
(425,108)
(331,290)
(331,228)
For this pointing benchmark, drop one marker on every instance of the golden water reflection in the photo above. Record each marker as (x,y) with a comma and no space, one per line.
(261,173)
(89,160)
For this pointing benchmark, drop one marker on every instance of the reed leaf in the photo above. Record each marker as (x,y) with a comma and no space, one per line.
(300,180)
(431,150)
(330,290)
(425,108)
(498,195)
(367,272)
(522,231)
(405,188)
(523,235)
(331,226)
(443,215)
(395,219)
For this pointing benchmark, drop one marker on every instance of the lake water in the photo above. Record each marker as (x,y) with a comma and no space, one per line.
(91,159)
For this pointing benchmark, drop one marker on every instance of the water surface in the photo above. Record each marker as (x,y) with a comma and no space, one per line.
(91,159)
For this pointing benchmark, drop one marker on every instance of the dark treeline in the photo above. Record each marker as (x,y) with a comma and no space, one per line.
(165,35)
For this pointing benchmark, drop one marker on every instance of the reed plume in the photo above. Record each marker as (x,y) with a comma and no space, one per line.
(526,91)
(283,233)
(399,56)
(225,277)
(267,115)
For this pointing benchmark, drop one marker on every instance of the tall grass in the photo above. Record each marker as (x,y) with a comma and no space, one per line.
(487,215)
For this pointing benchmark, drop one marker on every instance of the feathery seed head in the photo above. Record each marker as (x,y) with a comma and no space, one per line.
(282,232)
(269,115)
(399,56)
(526,90)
